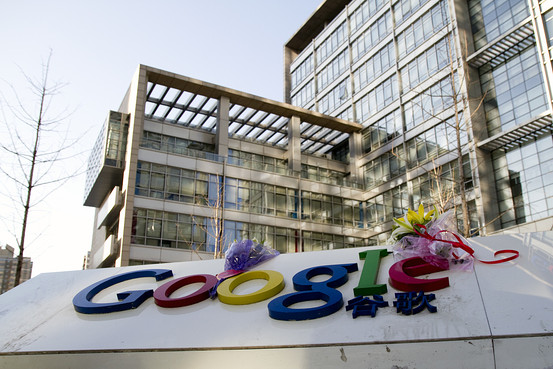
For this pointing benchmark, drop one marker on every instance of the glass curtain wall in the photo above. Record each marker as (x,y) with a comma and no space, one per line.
(413,68)
(184,231)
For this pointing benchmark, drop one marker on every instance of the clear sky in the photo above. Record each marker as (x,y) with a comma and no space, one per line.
(96,47)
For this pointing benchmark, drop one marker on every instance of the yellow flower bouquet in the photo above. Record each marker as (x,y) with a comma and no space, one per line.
(432,237)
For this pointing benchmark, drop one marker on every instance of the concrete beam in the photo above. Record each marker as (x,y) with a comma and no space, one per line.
(252,101)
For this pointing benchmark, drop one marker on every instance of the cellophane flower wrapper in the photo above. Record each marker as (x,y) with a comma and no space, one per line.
(436,252)
(245,254)
(242,256)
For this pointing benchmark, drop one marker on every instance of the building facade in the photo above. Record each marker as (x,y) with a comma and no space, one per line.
(8,267)
(382,99)
(185,167)
(411,72)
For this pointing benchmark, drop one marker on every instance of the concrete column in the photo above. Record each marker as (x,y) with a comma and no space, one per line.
(543,46)
(355,154)
(289,56)
(221,135)
(486,203)
(133,104)
(294,144)
(481,160)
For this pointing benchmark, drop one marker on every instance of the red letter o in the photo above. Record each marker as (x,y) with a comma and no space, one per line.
(163,293)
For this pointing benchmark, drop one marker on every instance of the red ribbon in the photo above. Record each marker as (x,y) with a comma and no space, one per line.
(460,244)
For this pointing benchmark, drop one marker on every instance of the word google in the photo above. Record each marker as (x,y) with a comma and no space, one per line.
(402,276)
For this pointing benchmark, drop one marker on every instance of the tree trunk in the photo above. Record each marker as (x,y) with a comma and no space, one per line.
(30,186)
(461,177)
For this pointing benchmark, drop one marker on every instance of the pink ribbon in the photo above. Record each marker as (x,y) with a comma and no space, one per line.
(460,244)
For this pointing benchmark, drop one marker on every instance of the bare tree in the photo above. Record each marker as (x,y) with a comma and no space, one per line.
(214,226)
(211,224)
(460,123)
(217,223)
(37,147)
(443,194)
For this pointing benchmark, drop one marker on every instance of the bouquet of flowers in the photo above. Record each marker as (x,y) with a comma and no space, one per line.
(245,254)
(432,237)
(242,256)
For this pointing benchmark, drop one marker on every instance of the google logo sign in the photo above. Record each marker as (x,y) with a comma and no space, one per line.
(402,275)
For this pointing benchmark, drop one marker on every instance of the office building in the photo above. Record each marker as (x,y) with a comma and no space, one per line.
(186,167)
(374,91)
(408,71)
(8,268)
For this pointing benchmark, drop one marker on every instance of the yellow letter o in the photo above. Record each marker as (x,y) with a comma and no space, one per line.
(275,284)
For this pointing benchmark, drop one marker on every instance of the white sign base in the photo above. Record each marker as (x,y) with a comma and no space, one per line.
(497,315)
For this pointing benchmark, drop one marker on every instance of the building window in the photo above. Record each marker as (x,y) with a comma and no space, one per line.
(427,64)
(388,205)
(169,183)
(548,21)
(380,239)
(434,142)
(338,96)
(373,35)
(405,8)
(321,208)
(423,28)
(440,185)
(377,99)
(316,207)
(317,241)
(305,95)
(319,174)
(524,181)
(490,19)
(176,145)
(333,70)
(364,12)
(346,114)
(260,198)
(514,91)
(257,162)
(429,103)
(302,71)
(282,239)
(384,168)
(158,228)
(382,131)
(116,142)
(374,67)
(331,43)
(175,184)
(183,231)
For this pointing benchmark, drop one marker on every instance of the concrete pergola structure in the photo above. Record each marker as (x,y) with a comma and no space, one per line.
(156,96)
(256,118)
